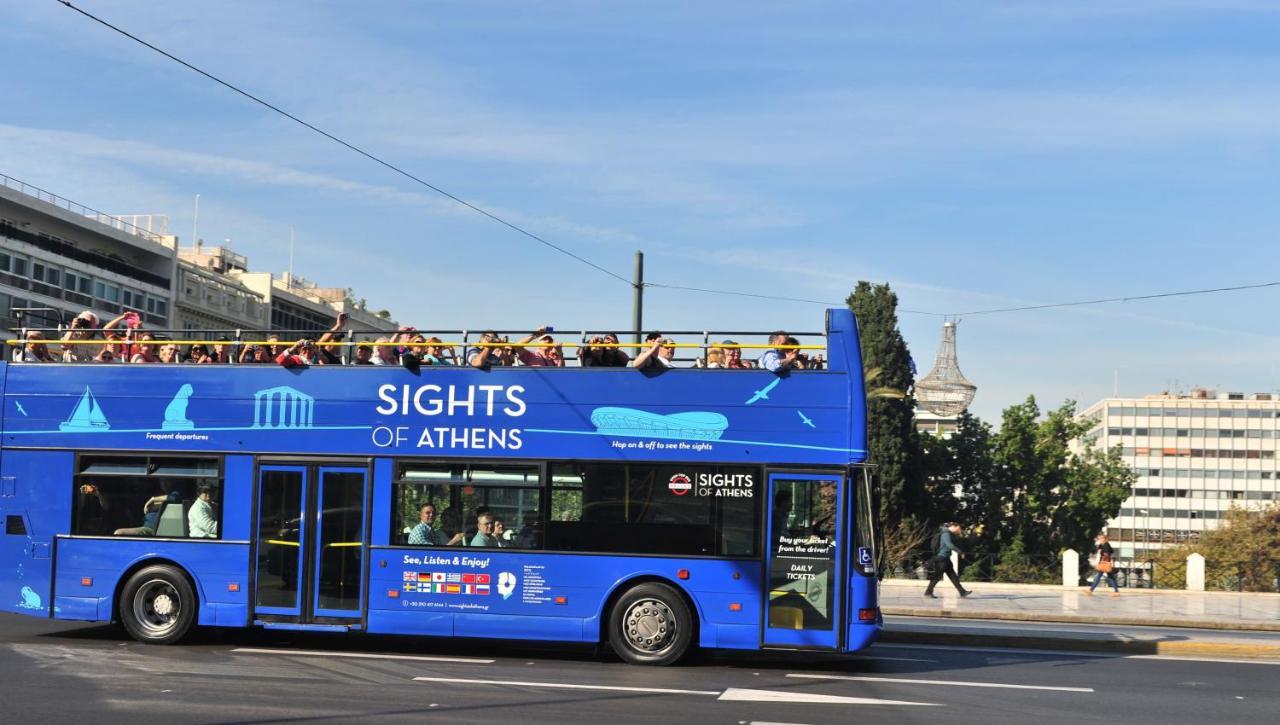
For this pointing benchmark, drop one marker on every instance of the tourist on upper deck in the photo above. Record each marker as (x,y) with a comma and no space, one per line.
(488,353)
(776,359)
(437,353)
(145,351)
(132,323)
(170,354)
(105,355)
(660,353)
(324,353)
(300,355)
(363,356)
(383,352)
(83,327)
(548,354)
(733,356)
(36,349)
(221,351)
(714,360)
(198,354)
(602,352)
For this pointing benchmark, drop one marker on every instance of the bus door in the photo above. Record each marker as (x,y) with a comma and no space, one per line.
(311,538)
(805,593)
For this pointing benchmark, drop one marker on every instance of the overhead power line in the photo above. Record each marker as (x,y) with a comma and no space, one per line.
(230,86)
(1128,298)
(998,310)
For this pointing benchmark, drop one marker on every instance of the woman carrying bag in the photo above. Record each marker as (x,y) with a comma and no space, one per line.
(1102,562)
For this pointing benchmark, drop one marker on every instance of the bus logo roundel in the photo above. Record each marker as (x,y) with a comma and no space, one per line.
(680,484)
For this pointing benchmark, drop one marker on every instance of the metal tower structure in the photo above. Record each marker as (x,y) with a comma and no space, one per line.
(945,391)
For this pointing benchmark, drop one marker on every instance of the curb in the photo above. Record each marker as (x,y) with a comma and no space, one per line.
(1119,646)
(1251,626)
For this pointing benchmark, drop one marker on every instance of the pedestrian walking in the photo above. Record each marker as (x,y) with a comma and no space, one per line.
(1103,564)
(940,564)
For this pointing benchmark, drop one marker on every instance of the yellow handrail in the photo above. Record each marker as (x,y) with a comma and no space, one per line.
(355,343)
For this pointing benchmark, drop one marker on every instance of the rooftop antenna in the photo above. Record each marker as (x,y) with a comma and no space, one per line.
(195,221)
(945,391)
(290,256)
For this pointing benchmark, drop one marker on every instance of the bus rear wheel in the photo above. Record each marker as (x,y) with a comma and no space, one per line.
(650,625)
(157,605)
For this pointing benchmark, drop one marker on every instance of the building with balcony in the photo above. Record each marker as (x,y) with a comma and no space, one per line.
(59,258)
(209,295)
(1196,456)
(300,306)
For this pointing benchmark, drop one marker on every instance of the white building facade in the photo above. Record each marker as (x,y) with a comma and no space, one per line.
(1196,456)
(59,258)
(208,297)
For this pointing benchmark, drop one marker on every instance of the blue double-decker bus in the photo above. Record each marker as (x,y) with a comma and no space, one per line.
(653,510)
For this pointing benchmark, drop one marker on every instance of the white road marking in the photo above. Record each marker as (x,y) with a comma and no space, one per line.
(1005,650)
(358,655)
(1220,660)
(735,694)
(950,683)
(567,686)
(896,659)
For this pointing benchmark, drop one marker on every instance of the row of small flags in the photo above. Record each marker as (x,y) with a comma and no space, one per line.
(446,583)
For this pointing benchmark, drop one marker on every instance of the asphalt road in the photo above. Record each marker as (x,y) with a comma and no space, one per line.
(54,672)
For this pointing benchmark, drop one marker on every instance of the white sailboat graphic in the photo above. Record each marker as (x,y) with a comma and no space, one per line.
(87,416)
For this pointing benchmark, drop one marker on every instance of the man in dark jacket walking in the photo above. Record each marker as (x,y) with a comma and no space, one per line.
(940,564)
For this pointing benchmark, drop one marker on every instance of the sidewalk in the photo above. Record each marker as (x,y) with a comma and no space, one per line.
(1040,603)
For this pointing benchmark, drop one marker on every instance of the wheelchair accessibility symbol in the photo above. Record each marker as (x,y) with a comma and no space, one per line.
(864,555)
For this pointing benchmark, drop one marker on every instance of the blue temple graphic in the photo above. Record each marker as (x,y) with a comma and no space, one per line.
(283,407)
(693,425)
(87,417)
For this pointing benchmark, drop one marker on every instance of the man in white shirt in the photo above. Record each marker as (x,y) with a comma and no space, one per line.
(201,523)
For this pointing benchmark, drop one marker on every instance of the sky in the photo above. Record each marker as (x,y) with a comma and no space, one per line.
(972,155)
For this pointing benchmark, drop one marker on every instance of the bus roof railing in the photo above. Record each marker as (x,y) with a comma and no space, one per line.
(342,341)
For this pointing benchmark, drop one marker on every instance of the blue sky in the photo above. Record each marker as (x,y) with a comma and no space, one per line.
(973,155)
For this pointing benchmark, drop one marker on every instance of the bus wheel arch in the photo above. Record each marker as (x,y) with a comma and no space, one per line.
(157,601)
(660,602)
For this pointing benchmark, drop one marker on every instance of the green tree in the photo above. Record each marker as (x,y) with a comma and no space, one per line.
(1243,554)
(1024,493)
(892,443)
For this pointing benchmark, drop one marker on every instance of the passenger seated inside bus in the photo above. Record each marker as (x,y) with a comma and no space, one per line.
(425,532)
(500,532)
(201,522)
(484,534)
(151,512)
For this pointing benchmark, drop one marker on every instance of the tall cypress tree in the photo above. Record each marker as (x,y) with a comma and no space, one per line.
(892,443)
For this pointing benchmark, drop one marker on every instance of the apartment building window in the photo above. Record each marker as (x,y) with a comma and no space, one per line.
(20,266)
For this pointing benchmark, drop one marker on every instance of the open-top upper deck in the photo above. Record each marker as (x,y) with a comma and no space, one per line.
(678,414)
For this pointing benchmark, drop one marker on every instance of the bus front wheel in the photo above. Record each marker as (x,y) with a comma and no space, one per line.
(157,605)
(650,625)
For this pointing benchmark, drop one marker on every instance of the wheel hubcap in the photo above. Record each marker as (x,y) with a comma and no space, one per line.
(650,625)
(156,607)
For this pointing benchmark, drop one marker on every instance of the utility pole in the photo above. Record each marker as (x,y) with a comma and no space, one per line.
(637,299)
(195,222)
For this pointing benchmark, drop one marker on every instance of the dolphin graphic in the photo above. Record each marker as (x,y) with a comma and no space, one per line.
(805,420)
(763,394)
(20,408)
